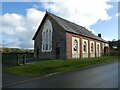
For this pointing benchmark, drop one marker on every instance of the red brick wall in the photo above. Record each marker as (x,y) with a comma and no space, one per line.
(80,47)
(69,44)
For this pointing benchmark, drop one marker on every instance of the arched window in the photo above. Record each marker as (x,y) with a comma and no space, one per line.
(85,46)
(44,40)
(47,40)
(75,45)
(50,40)
(98,48)
(91,47)
(47,37)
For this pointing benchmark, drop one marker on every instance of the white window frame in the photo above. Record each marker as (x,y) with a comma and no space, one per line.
(75,54)
(92,48)
(84,40)
(85,46)
(97,43)
(92,42)
(98,48)
(75,45)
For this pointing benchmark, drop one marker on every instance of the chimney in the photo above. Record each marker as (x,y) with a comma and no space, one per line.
(99,35)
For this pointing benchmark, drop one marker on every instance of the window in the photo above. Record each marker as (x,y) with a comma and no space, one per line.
(47,40)
(98,48)
(43,40)
(91,47)
(75,45)
(50,40)
(85,46)
(47,37)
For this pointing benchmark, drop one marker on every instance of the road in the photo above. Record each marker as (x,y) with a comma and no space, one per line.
(100,76)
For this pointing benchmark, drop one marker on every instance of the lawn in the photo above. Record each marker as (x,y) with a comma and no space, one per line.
(41,68)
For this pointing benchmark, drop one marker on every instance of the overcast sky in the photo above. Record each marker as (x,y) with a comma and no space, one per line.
(20,20)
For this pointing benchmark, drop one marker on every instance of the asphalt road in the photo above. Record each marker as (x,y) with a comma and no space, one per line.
(100,76)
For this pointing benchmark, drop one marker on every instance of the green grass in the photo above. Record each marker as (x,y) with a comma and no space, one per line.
(42,68)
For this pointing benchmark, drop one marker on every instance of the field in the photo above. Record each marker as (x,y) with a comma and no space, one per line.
(41,68)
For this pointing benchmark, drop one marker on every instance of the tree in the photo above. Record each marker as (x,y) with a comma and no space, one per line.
(118,44)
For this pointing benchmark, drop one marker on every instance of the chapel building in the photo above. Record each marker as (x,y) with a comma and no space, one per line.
(57,38)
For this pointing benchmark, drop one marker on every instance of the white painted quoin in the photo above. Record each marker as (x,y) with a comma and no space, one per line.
(98,49)
(47,36)
(84,48)
(92,49)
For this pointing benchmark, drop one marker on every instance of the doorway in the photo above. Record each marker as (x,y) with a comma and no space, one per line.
(57,50)
(37,52)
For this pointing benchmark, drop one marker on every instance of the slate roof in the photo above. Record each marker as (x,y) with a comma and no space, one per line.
(73,28)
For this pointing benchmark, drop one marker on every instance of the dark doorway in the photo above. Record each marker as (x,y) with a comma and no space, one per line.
(57,50)
(37,53)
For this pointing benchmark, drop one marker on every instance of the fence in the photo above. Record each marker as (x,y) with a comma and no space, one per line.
(114,53)
(17,58)
(14,59)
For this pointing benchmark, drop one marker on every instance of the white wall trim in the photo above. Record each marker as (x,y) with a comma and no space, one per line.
(92,54)
(74,53)
(84,54)
(98,54)
(93,46)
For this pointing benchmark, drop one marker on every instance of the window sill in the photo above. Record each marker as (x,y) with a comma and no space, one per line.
(46,50)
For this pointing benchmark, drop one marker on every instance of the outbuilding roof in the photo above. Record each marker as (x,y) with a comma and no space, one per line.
(72,27)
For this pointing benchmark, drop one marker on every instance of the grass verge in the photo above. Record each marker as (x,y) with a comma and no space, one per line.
(42,68)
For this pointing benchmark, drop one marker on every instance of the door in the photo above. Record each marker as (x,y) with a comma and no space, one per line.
(37,53)
(57,50)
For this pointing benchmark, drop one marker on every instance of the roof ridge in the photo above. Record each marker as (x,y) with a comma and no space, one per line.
(72,27)
(69,21)
(65,19)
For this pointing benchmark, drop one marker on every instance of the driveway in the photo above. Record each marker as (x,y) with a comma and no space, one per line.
(99,76)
